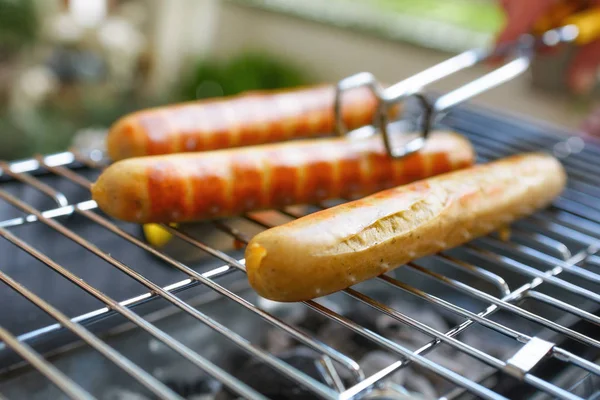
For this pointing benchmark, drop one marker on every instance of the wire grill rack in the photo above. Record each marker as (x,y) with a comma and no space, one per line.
(545,275)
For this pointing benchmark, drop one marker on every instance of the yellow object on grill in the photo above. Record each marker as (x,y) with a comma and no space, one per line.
(156,235)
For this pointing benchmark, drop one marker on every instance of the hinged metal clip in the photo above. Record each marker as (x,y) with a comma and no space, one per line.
(418,115)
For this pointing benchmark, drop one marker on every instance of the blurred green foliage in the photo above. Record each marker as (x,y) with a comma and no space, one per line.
(248,71)
(18,24)
(477,15)
(50,127)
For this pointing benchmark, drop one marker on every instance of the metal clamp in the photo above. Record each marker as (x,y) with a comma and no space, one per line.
(528,357)
(428,113)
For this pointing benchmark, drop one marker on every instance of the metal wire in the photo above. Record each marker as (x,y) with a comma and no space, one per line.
(154,385)
(64,383)
(175,345)
(274,362)
(560,241)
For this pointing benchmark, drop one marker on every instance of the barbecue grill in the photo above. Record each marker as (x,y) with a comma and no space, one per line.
(90,310)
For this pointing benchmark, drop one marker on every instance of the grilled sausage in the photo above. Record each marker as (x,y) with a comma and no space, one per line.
(338,247)
(243,120)
(196,186)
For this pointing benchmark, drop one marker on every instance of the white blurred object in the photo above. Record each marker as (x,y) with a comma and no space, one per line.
(136,12)
(118,34)
(63,28)
(184,32)
(33,86)
(88,13)
(122,42)
(91,142)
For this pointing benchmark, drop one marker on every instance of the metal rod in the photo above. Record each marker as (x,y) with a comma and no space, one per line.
(404,352)
(131,302)
(480,318)
(55,195)
(563,306)
(576,360)
(332,375)
(593,260)
(54,213)
(561,229)
(458,391)
(486,275)
(547,242)
(66,172)
(204,364)
(144,378)
(538,256)
(316,345)
(573,221)
(275,363)
(432,74)
(532,272)
(64,383)
(378,306)
(505,305)
(31,164)
(481,356)
(472,317)
(226,258)
(491,80)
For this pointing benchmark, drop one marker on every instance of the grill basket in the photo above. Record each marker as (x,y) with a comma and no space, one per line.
(86,306)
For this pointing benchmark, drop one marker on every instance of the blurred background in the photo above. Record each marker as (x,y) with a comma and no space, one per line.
(70,68)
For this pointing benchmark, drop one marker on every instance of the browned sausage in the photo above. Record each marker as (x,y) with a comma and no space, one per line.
(243,120)
(338,247)
(196,186)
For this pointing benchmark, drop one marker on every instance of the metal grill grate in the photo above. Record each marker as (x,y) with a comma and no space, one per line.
(538,291)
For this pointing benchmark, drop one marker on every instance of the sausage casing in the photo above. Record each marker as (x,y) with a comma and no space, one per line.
(242,120)
(197,186)
(338,247)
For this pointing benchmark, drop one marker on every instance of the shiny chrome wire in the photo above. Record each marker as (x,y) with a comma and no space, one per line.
(568,219)
(448,374)
(267,358)
(144,378)
(63,382)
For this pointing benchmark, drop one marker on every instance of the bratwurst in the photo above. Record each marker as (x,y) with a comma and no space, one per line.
(336,248)
(247,119)
(222,183)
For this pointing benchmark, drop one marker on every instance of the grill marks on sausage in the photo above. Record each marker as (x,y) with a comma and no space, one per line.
(414,168)
(286,106)
(251,120)
(248,119)
(159,137)
(358,107)
(210,185)
(247,178)
(350,175)
(318,175)
(217,135)
(381,170)
(440,163)
(187,120)
(284,179)
(167,191)
(132,141)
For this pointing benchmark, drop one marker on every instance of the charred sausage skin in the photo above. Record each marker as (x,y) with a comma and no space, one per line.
(247,119)
(198,186)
